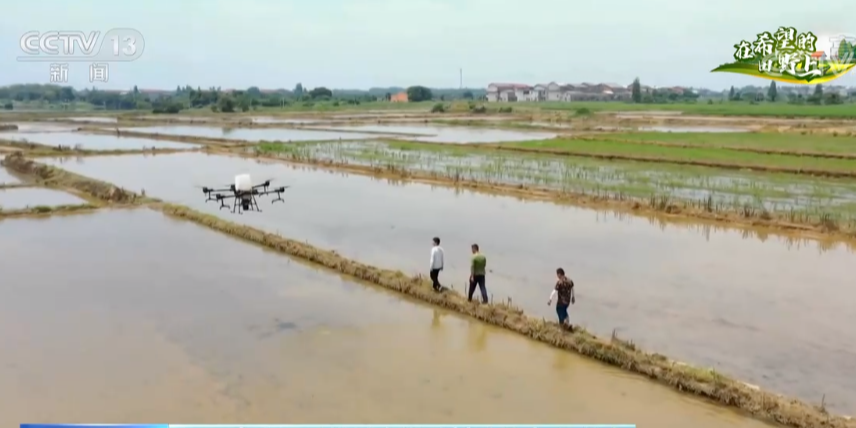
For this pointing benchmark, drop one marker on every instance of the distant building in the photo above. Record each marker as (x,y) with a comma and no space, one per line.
(400,97)
(517,92)
(509,92)
(154,94)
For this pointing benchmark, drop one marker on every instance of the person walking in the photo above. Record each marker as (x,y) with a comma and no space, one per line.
(436,264)
(565,290)
(478,267)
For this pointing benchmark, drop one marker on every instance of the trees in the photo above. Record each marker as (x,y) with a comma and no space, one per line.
(636,91)
(298,90)
(320,92)
(833,98)
(468,95)
(732,95)
(226,104)
(418,93)
(772,92)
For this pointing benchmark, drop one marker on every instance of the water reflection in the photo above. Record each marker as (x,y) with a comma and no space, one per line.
(693,294)
(17,199)
(243,335)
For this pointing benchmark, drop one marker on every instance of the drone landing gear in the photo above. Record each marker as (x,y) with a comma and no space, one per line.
(243,203)
(278,198)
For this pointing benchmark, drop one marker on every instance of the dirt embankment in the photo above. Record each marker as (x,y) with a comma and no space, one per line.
(49,176)
(800,153)
(47,210)
(654,159)
(206,141)
(614,351)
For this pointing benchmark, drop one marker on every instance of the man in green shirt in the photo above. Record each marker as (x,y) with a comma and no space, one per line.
(478,267)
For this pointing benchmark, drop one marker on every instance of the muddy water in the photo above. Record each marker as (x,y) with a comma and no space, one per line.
(294,121)
(16,199)
(181,118)
(6,178)
(453,134)
(39,127)
(269,134)
(691,296)
(94,141)
(164,320)
(93,119)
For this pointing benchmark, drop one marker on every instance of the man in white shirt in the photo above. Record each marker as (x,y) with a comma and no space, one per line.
(436,264)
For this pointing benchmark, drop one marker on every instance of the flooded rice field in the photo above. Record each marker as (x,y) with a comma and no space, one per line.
(92,119)
(6,178)
(196,327)
(180,118)
(94,141)
(28,197)
(727,189)
(689,295)
(290,121)
(451,134)
(252,135)
(40,127)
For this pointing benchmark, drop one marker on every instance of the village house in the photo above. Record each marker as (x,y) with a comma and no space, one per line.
(400,97)
(516,92)
(510,92)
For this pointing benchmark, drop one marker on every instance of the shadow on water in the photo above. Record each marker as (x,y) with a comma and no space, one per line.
(667,288)
(196,327)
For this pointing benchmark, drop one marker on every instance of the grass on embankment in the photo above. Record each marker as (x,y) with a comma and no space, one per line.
(757,140)
(40,210)
(700,156)
(840,111)
(620,353)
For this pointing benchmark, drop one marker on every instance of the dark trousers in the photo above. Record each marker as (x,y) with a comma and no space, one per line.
(435,279)
(562,312)
(477,280)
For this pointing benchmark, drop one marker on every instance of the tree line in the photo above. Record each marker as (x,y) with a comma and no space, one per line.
(817,96)
(215,98)
(659,96)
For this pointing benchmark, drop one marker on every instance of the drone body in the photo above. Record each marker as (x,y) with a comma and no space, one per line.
(243,194)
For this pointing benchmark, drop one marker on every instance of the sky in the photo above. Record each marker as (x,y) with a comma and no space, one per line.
(357,44)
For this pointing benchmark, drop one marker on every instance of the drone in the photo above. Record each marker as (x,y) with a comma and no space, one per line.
(243,194)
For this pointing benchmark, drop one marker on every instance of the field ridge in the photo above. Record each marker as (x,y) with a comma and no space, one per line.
(614,351)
